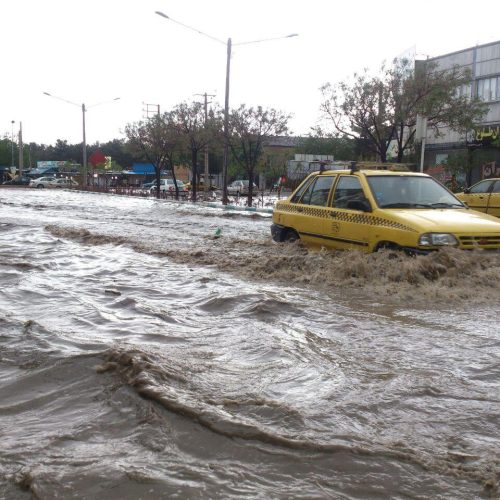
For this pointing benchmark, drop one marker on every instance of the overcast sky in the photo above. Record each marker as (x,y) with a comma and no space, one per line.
(92,51)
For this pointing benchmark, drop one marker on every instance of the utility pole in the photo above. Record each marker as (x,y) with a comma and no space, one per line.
(21,159)
(421,135)
(150,109)
(207,173)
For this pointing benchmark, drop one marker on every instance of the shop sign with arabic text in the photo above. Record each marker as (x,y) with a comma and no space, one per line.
(487,133)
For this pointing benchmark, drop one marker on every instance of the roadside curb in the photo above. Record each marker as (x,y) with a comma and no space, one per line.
(237,208)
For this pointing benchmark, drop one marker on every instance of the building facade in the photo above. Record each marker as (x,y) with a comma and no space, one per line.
(483,62)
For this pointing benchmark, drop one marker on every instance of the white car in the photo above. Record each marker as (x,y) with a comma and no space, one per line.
(238,188)
(42,182)
(63,183)
(167,185)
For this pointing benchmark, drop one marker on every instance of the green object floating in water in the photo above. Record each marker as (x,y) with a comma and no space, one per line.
(218,232)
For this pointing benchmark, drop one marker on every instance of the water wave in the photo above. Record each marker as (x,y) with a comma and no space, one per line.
(445,275)
(166,383)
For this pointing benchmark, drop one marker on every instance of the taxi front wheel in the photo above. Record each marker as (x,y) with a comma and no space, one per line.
(392,248)
(290,236)
(386,245)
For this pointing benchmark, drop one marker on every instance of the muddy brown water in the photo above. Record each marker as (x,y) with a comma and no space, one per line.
(142,356)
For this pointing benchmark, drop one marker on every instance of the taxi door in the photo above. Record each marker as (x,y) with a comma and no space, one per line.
(310,211)
(478,196)
(494,200)
(350,223)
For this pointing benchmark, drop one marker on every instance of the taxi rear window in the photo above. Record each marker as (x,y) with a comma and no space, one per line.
(316,192)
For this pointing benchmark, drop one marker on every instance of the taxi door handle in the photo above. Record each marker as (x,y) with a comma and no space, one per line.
(333,214)
(300,209)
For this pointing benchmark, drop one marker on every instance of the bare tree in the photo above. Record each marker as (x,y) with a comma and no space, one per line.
(383,108)
(248,130)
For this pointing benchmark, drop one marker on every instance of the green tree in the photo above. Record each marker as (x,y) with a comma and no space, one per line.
(321,142)
(248,130)
(157,140)
(5,152)
(273,164)
(117,149)
(463,163)
(383,108)
(196,131)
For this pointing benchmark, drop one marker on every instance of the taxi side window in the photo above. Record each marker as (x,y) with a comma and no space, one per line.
(318,191)
(496,187)
(481,187)
(348,189)
(296,197)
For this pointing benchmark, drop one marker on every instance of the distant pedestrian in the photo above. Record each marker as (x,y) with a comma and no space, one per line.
(279,188)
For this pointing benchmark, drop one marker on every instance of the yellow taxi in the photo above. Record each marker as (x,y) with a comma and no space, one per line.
(373,209)
(483,196)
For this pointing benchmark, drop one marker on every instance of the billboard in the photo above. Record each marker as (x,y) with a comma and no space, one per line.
(50,164)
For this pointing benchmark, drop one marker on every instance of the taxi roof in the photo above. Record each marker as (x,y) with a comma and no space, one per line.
(371,172)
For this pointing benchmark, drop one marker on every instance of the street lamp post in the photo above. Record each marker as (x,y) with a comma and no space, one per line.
(225,157)
(229,45)
(84,142)
(84,152)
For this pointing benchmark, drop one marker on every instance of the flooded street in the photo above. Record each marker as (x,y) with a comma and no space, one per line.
(142,356)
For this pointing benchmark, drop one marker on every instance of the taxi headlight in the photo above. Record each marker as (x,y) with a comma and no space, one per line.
(437,239)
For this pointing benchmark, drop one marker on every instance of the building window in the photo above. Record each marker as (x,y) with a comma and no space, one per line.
(465,90)
(488,89)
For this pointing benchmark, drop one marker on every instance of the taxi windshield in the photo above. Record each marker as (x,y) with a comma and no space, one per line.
(410,191)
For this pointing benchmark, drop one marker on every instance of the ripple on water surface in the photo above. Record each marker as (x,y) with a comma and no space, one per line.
(139,365)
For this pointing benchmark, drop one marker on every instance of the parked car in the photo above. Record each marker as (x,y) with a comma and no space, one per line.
(18,181)
(148,185)
(41,182)
(483,196)
(240,187)
(53,182)
(63,183)
(167,185)
(200,188)
(373,209)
